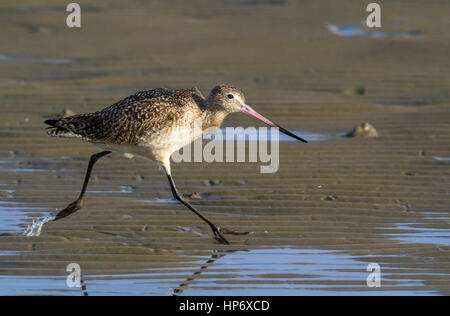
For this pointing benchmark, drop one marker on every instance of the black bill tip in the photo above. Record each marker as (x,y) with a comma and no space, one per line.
(285,131)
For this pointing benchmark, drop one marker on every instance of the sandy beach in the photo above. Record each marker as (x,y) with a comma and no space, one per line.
(335,205)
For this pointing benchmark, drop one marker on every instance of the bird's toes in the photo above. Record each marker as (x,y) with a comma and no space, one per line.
(219,236)
(232,232)
(71,208)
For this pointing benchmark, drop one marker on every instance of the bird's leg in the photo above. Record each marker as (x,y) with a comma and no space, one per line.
(216,230)
(78,203)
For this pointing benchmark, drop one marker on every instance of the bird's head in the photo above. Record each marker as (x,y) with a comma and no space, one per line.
(232,100)
(227,98)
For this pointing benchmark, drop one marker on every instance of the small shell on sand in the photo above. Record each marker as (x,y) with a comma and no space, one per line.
(364,129)
(194,196)
(213,182)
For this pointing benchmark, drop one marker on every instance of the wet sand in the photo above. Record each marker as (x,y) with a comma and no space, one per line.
(334,206)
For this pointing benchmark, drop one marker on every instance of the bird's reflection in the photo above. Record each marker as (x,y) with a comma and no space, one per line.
(216,255)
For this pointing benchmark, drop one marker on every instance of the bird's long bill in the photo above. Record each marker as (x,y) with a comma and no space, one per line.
(249,111)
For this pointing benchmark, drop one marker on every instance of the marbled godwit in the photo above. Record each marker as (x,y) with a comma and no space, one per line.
(154,124)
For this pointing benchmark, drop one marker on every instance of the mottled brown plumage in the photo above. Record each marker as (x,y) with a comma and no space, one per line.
(125,122)
(154,124)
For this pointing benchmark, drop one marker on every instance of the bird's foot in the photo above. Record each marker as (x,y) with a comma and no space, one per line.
(231,232)
(70,209)
(218,235)
(218,231)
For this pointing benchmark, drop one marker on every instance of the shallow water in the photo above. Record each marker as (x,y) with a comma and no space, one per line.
(11,217)
(50,61)
(265,134)
(357,29)
(412,234)
(252,272)
(35,228)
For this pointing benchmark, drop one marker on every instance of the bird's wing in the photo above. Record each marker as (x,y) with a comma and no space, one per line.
(126,121)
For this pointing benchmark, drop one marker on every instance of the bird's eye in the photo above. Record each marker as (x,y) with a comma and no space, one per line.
(230,96)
